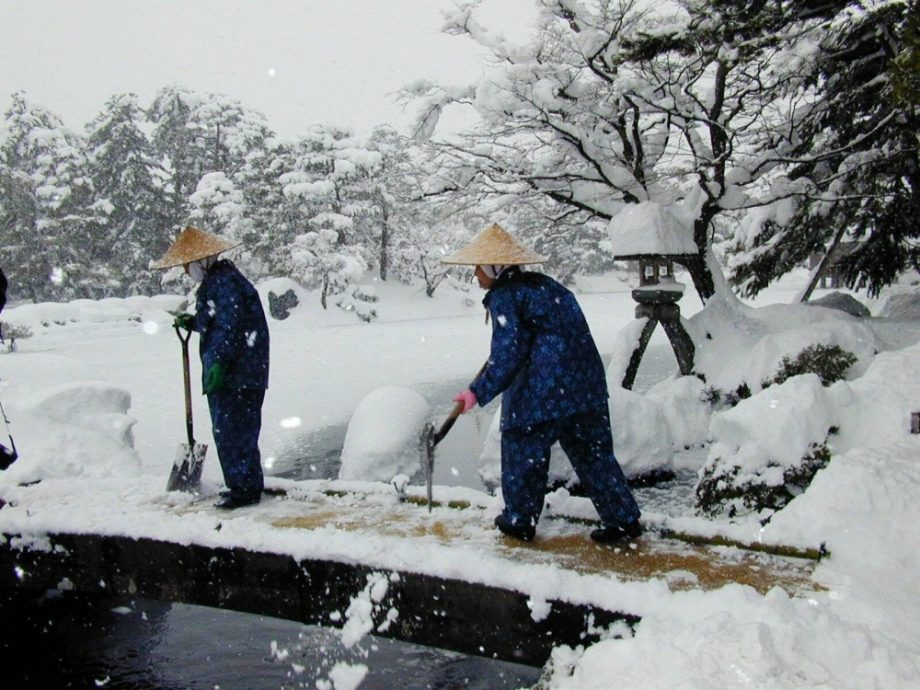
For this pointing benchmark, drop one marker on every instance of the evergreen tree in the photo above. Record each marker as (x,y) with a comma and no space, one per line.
(326,210)
(46,207)
(218,205)
(128,185)
(202,133)
(855,170)
(270,224)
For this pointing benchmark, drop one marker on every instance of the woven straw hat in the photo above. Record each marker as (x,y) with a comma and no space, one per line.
(193,244)
(494,246)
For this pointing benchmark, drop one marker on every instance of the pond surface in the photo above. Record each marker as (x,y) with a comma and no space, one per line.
(75,641)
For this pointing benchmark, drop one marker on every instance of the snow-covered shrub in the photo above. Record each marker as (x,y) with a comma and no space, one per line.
(358,300)
(829,362)
(766,450)
(365,293)
(742,392)
(721,490)
(11,331)
(717,398)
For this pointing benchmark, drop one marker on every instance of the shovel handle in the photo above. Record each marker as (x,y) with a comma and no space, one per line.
(448,423)
(187,384)
(454,413)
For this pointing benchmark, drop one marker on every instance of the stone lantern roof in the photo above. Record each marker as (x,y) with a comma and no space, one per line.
(649,229)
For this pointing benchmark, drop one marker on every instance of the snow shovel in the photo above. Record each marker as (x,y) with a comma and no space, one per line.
(430,438)
(186,470)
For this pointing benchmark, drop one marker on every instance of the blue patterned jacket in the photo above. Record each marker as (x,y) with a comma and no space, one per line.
(230,319)
(542,357)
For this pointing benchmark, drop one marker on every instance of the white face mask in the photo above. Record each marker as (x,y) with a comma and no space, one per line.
(198,269)
(492,270)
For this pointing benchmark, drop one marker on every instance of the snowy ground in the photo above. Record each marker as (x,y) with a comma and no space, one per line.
(96,409)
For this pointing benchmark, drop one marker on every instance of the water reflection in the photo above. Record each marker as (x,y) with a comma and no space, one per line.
(79,641)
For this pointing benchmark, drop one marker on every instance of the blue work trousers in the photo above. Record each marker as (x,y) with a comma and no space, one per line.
(236,420)
(587,441)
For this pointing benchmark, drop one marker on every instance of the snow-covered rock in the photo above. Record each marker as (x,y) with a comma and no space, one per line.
(74,430)
(383,436)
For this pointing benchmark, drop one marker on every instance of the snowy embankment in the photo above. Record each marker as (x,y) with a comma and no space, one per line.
(95,401)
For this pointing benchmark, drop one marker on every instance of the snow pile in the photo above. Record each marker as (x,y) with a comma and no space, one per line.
(737,344)
(652,228)
(74,430)
(902,306)
(736,638)
(684,409)
(642,439)
(383,436)
(51,316)
(861,630)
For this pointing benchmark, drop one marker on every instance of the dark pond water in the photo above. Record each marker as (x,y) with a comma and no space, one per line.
(62,640)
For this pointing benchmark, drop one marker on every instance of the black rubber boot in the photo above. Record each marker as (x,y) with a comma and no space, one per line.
(233,501)
(522,532)
(617,535)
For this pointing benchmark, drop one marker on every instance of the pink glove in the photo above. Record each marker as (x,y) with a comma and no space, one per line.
(468,398)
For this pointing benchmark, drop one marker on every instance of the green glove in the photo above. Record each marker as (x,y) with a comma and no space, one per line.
(215,379)
(186,321)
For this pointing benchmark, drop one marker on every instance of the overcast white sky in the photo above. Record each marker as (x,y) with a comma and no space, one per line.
(296,61)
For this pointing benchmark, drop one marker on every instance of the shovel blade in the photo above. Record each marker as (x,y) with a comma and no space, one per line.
(186,470)
(427,444)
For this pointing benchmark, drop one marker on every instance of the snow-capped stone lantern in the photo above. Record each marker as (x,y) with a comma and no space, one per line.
(657,237)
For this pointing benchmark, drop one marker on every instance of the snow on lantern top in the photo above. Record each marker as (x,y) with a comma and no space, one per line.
(651,229)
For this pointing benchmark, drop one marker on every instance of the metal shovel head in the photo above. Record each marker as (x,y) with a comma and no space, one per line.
(186,470)
(427,457)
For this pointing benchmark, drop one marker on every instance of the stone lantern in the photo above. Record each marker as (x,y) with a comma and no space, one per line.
(656,237)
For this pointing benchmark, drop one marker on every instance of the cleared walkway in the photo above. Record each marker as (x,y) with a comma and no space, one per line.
(311,550)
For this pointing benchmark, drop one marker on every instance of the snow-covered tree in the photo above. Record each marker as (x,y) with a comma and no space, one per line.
(856,164)
(200,133)
(329,208)
(133,226)
(319,260)
(617,102)
(218,206)
(46,207)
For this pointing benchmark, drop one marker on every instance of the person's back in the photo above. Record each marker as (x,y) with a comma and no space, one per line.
(233,328)
(563,372)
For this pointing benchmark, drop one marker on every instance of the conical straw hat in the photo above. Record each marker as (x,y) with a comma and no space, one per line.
(494,246)
(193,244)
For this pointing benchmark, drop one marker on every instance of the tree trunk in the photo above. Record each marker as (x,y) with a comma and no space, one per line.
(384,247)
(697,267)
(825,260)
(702,278)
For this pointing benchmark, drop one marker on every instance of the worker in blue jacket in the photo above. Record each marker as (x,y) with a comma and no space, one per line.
(234,350)
(544,362)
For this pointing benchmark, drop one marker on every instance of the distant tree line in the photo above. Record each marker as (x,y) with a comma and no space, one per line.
(793,126)
(83,216)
